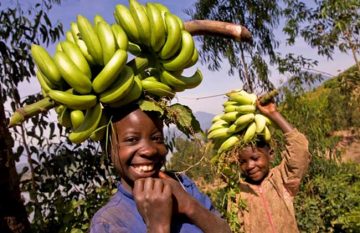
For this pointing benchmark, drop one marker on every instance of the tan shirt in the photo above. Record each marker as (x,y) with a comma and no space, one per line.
(270,205)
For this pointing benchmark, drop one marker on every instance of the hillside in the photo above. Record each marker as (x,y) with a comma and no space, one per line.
(339,100)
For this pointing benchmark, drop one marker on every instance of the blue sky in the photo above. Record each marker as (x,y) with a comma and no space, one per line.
(214,83)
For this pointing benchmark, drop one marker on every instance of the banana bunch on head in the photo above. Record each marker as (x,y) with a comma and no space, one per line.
(90,69)
(239,124)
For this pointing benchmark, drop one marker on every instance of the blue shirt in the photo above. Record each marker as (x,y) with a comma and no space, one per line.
(121,215)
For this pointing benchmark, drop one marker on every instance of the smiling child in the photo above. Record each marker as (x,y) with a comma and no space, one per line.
(269,192)
(148,199)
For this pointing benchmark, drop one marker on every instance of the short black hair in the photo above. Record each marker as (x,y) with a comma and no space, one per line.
(116,114)
(261,142)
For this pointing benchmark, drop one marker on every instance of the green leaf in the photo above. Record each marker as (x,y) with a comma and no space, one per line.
(147,105)
(183,118)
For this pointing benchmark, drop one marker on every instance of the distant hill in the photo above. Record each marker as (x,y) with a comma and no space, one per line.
(204,119)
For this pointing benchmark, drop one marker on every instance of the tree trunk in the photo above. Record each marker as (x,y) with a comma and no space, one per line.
(13,217)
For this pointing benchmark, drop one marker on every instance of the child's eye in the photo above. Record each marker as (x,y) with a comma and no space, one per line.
(158,139)
(130,139)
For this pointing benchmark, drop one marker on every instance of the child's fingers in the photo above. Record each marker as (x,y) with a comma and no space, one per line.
(138,186)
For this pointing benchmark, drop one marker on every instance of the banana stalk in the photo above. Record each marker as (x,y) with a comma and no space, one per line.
(21,114)
(268,97)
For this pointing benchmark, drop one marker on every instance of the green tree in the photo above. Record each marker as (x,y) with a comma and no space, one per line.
(326,25)
(19,29)
(249,60)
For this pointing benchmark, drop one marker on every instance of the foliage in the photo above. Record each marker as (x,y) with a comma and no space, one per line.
(330,202)
(71,185)
(19,28)
(251,61)
(326,25)
(260,18)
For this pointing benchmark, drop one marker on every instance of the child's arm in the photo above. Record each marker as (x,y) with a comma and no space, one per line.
(271,112)
(203,218)
(296,157)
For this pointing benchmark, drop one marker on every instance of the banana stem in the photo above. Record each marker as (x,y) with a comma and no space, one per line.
(21,114)
(218,28)
(265,99)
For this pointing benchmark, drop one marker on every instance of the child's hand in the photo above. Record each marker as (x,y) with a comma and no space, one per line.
(183,199)
(267,109)
(153,199)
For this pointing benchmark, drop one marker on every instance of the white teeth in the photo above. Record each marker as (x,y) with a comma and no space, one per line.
(143,168)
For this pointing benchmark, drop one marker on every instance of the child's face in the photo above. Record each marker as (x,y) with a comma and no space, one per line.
(141,149)
(254,163)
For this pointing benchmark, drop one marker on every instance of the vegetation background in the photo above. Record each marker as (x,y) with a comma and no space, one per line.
(64,184)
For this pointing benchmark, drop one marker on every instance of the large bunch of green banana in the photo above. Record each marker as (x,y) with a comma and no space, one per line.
(90,69)
(239,123)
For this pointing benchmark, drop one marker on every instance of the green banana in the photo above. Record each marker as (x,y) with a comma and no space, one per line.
(250,132)
(59,109)
(234,128)
(180,22)
(158,33)
(180,61)
(157,88)
(124,18)
(246,108)
(245,119)
(58,48)
(218,124)
(141,19)
(194,58)
(120,36)
(133,95)
(151,78)
(77,118)
(120,88)
(163,9)
(80,43)
(76,56)
(260,121)
(217,117)
(89,36)
(242,97)
(228,144)
(230,116)
(69,37)
(89,125)
(230,102)
(174,82)
(97,19)
(107,40)
(46,64)
(220,133)
(110,72)
(64,117)
(134,49)
(193,80)
(181,82)
(267,134)
(72,74)
(100,132)
(45,84)
(73,101)
(173,38)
